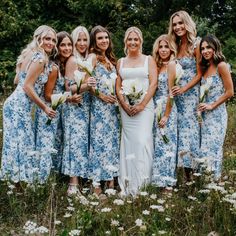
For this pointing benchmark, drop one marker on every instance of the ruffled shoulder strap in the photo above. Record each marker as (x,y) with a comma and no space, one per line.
(37,56)
(196,42)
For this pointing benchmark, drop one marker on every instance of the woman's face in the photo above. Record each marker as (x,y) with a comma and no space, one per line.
(206,51)
(65,48)
(102,41)
(133,42)
(49,42)
(82,43)
(178,26)
(164,50)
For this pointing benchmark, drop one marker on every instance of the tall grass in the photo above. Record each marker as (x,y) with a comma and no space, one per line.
(193,208)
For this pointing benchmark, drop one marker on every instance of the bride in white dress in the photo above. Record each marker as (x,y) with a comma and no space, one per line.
(137,115)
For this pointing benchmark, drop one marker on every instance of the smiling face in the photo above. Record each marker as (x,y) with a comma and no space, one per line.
(102,41)
(133,42)
(82,43)
(49,42)
(65,48)
(206,51)
(178,26)
(164,50)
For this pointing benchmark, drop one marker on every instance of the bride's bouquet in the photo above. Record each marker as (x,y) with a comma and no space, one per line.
(133,90)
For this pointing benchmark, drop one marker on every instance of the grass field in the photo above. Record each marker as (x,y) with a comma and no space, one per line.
(195,208)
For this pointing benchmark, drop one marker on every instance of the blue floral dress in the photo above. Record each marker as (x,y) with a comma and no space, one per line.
(104,132)
(165,154)
(19,159)
(188,127)
(48,138)
(213,127)
(75,122)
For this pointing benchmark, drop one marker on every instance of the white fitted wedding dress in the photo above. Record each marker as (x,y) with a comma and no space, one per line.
(136,153)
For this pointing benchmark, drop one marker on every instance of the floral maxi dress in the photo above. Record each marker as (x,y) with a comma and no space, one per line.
(19,159)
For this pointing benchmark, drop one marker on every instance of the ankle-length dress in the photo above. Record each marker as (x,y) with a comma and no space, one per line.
(136,152)
(187,126)
(19,159)
(213,127)
(165,154)
(104,131)
(48,138)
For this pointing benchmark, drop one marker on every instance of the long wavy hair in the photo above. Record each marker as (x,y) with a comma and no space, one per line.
(93,48)
(75,35)
(190,27)
(36,43)
(138,32)
(155,50)
(218,56)
(61,64)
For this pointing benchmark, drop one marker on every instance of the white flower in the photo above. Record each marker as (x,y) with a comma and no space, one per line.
(168,219)
(110,191)
(108,232)
(179,73)
(143,193)
(114,222)
(204,191)
(162,232)
(79,77)
(146,212)
(161,201)
(69,208)
(153,196)
(106,209)
(118,202)
(74,232)
(192,198)
(121,228)
(57,222)
(67,215)
(86,66)
(139,222)
(94,203)
(158,207)
(42,230)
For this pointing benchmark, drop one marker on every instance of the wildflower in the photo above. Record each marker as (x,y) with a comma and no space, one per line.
(143,194)
(42,230)
(153,196)
(146,212)
(197,174)
(161,201)
(204,191)
(168,219)
(162,232)
(94,203)
(213,233)
(70,208)
(57,222)
(118,202)
(106,209)
(74,232)
(192,198)
(108,232)
(110,191)
(121,228)
(138,222)
(67,215)
(158,207)
(83,200)
(114,222)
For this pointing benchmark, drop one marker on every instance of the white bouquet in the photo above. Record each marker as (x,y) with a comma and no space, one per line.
(179,72)
(56,100)
(204,89)
(133,90)
(110,83)
(159,116)
(79,77)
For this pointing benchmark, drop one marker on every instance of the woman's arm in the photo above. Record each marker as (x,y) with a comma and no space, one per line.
(152,70)
(50,85)
(35,69)
(224,73)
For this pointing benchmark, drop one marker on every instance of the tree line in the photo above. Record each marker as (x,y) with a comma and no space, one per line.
(19,19)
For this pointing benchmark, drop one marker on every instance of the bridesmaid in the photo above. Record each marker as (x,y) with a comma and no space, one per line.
(18,156)
(49,137)
(76,117)
(216,76)
(165,123)
(104,126)
(136,152)
(182,33)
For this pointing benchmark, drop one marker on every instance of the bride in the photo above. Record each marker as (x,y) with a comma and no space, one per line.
(135,86)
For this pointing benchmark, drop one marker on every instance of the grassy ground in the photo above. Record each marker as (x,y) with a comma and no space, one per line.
(194,208)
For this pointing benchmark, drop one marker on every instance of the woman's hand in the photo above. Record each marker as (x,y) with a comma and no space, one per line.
(134,110)
(76,98)
(205,107)
(50,112)
(176,90)
(163,121)
(107,98)
(90,82)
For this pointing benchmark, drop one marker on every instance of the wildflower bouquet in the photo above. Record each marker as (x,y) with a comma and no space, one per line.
(159,116)
(179,73)
(56,100)
(203,92)
(132,90)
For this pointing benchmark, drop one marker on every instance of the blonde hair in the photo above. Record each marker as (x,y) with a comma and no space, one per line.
(36,43)
(75,36)
(155,53)
(190,27)
(138,32)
